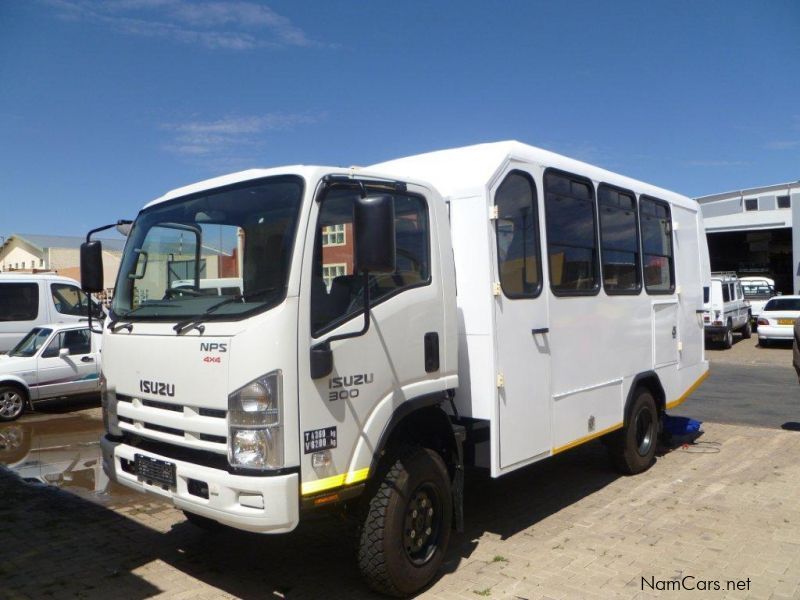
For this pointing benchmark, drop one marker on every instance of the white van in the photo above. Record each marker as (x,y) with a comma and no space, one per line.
(727,310)
(28,300)
(757,291)
(215,286)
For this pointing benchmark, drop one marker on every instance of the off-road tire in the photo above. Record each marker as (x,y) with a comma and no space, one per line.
(12,402)
(747,330)
(633,448)
(383,555)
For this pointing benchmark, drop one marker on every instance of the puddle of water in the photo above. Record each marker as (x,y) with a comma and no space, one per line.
(61,451)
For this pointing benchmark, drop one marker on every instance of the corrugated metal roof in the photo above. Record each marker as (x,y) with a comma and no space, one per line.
(64,241)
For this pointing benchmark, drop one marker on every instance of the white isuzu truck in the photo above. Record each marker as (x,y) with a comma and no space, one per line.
(492,305)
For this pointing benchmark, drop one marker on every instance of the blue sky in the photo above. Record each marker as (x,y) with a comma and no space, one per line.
(106,105)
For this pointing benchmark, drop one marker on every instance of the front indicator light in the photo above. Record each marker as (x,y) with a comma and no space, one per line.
(255,424)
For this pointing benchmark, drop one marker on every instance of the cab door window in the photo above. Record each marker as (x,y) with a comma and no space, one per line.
(77,341)
(337,292)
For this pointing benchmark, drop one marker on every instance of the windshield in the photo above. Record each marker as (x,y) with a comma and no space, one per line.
(186,255)
(783,304)
(31,342)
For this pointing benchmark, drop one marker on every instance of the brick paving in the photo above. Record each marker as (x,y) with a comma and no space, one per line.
(569,527)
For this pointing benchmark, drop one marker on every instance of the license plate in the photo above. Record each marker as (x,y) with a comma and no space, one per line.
(155,471)
(785,321)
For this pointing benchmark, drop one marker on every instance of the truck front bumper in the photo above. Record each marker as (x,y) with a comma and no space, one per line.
(267,504)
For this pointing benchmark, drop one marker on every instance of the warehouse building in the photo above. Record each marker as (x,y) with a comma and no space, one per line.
(756,232)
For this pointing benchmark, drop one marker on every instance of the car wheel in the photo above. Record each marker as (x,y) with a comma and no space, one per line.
(12,402)
(407,526)
(727,340)
(747,330)
(763,343)
(633,449)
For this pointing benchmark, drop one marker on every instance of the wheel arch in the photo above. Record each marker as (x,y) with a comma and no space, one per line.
(17,382)
(650,381)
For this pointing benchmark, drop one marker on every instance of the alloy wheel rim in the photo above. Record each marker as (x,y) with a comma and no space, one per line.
(10,404)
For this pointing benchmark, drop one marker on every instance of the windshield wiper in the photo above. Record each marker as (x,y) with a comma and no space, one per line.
(180,326)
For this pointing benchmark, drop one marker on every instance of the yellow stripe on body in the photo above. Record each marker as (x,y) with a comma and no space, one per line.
(596,435)
(688,392)
(321,485)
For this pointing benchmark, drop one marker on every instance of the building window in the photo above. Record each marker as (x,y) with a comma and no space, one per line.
(571,235)
(517,232)
(332,271)
(41,262)
(784,202)
(751,204)
(619,241)
(333,235)
(659,265)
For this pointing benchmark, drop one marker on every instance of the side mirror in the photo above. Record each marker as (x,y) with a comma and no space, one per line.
(92,267)
(63,353)
(373,220)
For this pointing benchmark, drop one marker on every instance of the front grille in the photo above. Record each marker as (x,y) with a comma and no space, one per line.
(162,405)
(184,424)
(168,430)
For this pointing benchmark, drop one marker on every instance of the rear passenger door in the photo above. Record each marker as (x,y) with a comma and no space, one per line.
(522,339)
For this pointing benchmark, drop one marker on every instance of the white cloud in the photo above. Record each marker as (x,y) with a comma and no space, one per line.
(236,25)
(217,141)
(782,144)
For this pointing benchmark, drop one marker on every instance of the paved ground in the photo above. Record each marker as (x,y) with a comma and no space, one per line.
(724,509)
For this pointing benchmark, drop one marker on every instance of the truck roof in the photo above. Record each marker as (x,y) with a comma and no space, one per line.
(460,172)
(36,276)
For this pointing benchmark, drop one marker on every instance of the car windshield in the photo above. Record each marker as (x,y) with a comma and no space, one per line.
(783,304)
(184,256)
(31,343)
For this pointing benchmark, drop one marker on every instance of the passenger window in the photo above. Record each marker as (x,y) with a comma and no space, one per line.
(19,301)
(77,341)
(68,299)
(726,293)
(571,235)
(517,231)
(337,293)
(619,237)
(659,268)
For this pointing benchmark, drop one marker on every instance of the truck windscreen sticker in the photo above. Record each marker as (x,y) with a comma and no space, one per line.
(319,439)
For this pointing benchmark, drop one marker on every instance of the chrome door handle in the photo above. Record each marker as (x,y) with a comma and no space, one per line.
(540,330)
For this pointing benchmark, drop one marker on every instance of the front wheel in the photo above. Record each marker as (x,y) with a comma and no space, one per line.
(633,449)
(12,403)
(407,527)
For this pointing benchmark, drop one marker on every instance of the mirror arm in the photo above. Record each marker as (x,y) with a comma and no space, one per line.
(89,239)
(321,357)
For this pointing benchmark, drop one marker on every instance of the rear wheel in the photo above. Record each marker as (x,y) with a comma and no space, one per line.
(407,527)
(633,449)
(12,402)
(727,339)
(747,330)
(763,343)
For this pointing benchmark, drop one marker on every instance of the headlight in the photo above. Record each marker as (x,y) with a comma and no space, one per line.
(108,401)
(255,424)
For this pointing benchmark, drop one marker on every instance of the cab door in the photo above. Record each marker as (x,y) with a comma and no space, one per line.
(374,371)
(68,365)
(521,323)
